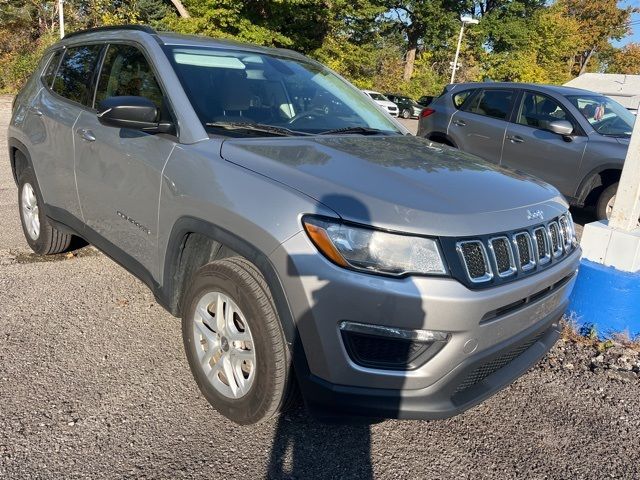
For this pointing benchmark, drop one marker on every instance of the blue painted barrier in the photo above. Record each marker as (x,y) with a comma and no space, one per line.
(607,299)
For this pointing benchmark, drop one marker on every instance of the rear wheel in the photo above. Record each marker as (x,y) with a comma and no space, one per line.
(234,342)
(406,113)
(41,235)
(606,201)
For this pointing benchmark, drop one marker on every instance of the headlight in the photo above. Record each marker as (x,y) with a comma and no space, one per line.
(374,251)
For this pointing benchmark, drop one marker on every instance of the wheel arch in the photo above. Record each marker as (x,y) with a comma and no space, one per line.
(441,137)
(193,243)
(18,163)
(601,176)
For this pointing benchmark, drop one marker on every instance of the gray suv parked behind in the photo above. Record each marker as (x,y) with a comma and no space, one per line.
(380,274)
(574,139)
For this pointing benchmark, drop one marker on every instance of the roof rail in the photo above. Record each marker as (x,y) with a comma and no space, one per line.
(140,28)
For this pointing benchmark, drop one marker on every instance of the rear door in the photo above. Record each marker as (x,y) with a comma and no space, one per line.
(479,126)
(66,85)
(532,148)
(119,170)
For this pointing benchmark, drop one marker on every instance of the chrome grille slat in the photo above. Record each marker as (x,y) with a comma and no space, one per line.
(505,263)
(475,260)
(524,251)
(542,242)
(556,241)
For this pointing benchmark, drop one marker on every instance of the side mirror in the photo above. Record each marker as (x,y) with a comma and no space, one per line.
(561,127)
(137,113)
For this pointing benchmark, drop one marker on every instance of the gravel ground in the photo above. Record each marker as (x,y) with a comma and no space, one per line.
(94,384)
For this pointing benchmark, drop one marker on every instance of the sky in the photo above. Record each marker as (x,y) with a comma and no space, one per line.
(635,21)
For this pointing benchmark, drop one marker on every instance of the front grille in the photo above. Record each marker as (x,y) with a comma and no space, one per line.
(514,254)
(495,364)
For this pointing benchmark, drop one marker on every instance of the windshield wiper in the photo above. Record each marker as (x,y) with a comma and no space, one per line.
(355,130)
(255,127)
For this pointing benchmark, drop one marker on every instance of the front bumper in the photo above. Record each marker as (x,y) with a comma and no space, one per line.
(321,295)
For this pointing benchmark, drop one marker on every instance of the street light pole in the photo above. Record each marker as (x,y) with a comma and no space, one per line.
(465,21)
(61,18)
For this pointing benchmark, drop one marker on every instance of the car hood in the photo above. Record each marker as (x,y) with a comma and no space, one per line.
(385,103)
(400,182)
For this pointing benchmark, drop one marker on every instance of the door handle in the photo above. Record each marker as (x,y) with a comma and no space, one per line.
(86,134)
(460,123)
(37,112)
(515,139)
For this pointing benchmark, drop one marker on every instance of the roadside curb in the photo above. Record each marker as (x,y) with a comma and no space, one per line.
(607,299)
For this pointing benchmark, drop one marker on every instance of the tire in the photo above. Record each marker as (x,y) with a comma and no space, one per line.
(264,384)
(603,208)
(41,235)
(406,114)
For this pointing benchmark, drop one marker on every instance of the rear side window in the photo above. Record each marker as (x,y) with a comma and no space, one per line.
(492,103)
(460,97)
(51,69)
(73,78)
(125,72)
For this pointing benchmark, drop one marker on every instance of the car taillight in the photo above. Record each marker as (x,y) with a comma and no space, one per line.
(426,112)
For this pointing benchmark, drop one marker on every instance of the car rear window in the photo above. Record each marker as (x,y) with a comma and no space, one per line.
(73,78)
(492,103)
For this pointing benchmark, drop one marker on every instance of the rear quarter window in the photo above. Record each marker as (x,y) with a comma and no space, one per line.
(460,97)
(52,67)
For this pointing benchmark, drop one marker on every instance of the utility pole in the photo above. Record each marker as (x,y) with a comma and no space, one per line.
(465,21)
(61,17)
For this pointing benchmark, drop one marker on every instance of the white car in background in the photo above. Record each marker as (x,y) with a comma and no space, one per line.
(386,104)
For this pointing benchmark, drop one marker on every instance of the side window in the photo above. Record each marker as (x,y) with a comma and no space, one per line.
(538,111)
(125,72)
(73,78)
(492,103)
(460,97)
(51,69)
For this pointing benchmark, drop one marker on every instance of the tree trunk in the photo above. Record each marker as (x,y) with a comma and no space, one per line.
(182,11)
(409,63)
(410,60)
(583,67)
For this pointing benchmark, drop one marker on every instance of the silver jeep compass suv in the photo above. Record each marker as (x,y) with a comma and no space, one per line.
(304,238)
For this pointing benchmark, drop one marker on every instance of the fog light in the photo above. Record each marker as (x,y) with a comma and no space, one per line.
(390,348)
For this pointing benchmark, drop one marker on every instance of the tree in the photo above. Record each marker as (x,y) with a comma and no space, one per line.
(625,60)
(600,22)
(429,23)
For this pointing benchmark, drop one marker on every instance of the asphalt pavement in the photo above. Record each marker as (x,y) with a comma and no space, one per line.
(94,384)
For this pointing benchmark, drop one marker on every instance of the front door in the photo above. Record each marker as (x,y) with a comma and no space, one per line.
(118,169)
(532,148)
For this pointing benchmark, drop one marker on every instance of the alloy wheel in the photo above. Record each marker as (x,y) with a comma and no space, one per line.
(224,345)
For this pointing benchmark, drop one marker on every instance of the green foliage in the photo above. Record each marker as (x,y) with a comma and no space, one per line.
(400,47)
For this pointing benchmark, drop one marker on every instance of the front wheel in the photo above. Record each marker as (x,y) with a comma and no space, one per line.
(234,343)
(406,114)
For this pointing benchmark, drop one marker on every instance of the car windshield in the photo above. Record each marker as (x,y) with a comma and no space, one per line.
(378,96)
(606,116)
(228,87)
